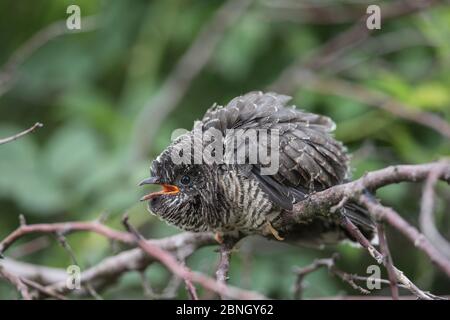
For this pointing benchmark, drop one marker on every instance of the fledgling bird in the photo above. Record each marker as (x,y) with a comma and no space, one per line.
(237,198)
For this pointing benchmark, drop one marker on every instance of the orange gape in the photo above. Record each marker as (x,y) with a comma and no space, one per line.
(167,189)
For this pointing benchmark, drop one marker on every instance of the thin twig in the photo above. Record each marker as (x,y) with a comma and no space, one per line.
(191,290)
(65,244)
(426,217)
(16,281)
(169,292)
(21,134)
(357,234)
(411,233)
(64,228)
(225,250)
(106,272)
(172,264)
(320,202)
(330,264)
(384,248)
(43,289)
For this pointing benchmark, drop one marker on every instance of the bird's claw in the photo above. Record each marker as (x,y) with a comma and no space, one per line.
(218,237)
(273,231)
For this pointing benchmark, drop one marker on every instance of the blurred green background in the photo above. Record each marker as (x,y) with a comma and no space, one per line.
(89,89)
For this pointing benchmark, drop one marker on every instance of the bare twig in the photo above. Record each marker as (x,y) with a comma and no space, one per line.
(384,248)
(64,228)
(356,233)
(21,134)
(411,233)
(426,218)
(43,289)
(183,272)
(191,290)
(322,201)
(225,250)
(30,247)
(179,80)
(65,244)
(111,268)
(169,292)
(329,263)
(16,281)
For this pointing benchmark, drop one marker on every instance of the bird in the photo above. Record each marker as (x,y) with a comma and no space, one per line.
(237,198)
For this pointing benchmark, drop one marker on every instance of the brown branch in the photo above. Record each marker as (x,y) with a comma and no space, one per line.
(16,281)
(169,292)
(106,272)
(43,289)
(187,68)
(384,248)
(183,272)
(411,233)
(21,134)
(182,245)
(356,233)
(30,247)
(426,217)
(191,290)
(64,228)
(225,250)
(321,202)
(330,264)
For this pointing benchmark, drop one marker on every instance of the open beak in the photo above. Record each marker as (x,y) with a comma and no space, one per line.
(168,189)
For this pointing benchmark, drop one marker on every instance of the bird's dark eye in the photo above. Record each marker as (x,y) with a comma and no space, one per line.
(185,180)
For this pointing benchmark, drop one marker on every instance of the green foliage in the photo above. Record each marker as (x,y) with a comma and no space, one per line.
(88,89)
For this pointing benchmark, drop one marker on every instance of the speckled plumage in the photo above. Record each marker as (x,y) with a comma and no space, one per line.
(237,197)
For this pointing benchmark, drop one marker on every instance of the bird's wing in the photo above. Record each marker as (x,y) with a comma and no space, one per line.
(310,159)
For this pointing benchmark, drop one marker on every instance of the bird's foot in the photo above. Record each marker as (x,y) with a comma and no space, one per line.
(270,229)
(218,236)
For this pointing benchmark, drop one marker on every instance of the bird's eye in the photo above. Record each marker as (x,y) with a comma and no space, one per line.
(185,180)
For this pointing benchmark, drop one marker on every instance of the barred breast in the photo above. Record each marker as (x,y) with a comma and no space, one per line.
(250,208)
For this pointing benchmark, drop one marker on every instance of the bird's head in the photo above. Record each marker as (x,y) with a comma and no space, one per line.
(187,190)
